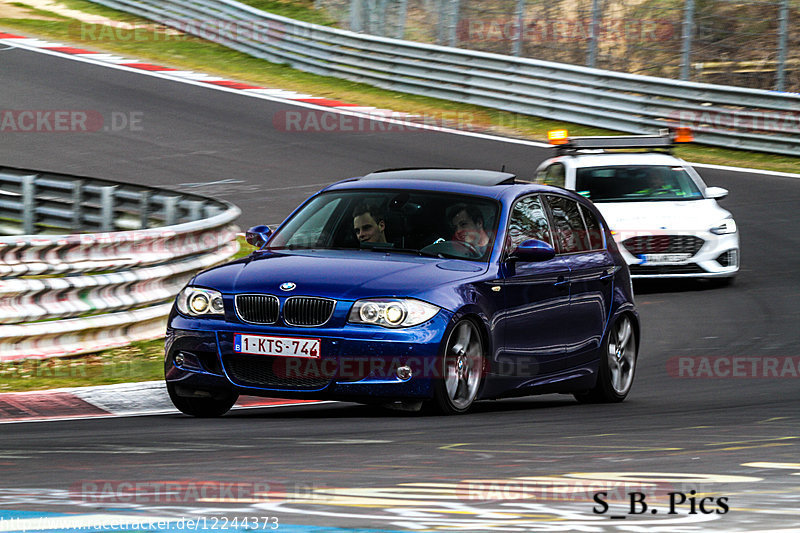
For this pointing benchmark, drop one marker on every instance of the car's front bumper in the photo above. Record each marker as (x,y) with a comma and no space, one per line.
(355,362)
(718,257)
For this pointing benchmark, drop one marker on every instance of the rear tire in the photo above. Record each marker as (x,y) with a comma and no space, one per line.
(617,365)
(462,366)
(203,407)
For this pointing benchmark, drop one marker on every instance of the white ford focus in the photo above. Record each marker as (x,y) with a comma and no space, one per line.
(664,218)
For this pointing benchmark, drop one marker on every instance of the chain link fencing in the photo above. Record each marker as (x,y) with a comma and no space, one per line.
(754,44)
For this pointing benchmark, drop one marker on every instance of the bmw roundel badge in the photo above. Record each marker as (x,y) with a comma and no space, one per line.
(288,286)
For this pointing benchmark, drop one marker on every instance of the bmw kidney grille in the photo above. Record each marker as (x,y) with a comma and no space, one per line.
(302,311)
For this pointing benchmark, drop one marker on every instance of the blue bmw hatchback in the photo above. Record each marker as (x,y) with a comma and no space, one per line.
(422,286)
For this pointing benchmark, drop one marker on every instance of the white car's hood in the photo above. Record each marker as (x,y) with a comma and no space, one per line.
(679,215)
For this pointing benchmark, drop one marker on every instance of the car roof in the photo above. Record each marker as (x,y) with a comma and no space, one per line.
(458,175)
(583,160)
(488,183)
(426,179)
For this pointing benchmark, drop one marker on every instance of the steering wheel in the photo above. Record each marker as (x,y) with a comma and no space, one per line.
(453,249)
(469,247)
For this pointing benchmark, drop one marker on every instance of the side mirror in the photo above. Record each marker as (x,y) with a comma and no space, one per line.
(257,236)
(716,193)
(534,251)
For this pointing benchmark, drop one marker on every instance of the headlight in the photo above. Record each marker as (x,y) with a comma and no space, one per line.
(724,227)
(193,301)
(392,312)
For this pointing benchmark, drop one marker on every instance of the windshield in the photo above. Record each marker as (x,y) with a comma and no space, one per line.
(636,183)
(401,221)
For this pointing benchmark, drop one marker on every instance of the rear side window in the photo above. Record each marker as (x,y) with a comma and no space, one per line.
(568,227)
(553,175)
(593,229)
(528,221)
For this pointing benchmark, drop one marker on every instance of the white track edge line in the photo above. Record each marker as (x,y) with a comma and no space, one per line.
(156,412)
(748,170)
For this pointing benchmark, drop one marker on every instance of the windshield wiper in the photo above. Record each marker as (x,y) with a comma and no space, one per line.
(413,251)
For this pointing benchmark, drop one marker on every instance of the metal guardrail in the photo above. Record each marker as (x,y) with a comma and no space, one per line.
(725,116)
(63,292)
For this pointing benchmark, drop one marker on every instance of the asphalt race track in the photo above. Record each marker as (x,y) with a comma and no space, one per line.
(713,418)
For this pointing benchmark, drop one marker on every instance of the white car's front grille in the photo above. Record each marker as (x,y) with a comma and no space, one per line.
(663,244)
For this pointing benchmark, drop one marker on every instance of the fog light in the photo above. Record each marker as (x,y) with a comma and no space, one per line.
(187,361)
(728,259)
(404,372)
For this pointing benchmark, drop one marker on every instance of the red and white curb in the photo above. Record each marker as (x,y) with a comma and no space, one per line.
(191,76)
(123,399)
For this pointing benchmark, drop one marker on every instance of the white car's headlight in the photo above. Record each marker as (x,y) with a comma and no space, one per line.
(194,301)
(725,227)
(391,312)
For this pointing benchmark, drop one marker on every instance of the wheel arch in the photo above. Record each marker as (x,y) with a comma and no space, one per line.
(623,307)
(482,322)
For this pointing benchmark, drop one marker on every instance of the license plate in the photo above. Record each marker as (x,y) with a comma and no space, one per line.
(664,258)
(277,346)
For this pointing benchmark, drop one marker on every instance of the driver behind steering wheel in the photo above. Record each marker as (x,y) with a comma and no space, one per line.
(468,224)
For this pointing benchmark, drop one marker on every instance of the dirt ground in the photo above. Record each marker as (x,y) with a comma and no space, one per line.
(10,11)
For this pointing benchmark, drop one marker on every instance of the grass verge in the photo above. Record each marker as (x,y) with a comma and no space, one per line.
(139,361)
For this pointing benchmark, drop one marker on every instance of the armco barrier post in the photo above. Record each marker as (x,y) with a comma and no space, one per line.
(687,35)
(28,199)
(783,39)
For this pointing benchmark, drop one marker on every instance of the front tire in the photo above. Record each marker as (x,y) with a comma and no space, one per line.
(202,407)
(462,365)
(617,365)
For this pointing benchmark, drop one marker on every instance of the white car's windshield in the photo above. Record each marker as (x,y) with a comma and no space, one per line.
(404,221)
(636,183)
